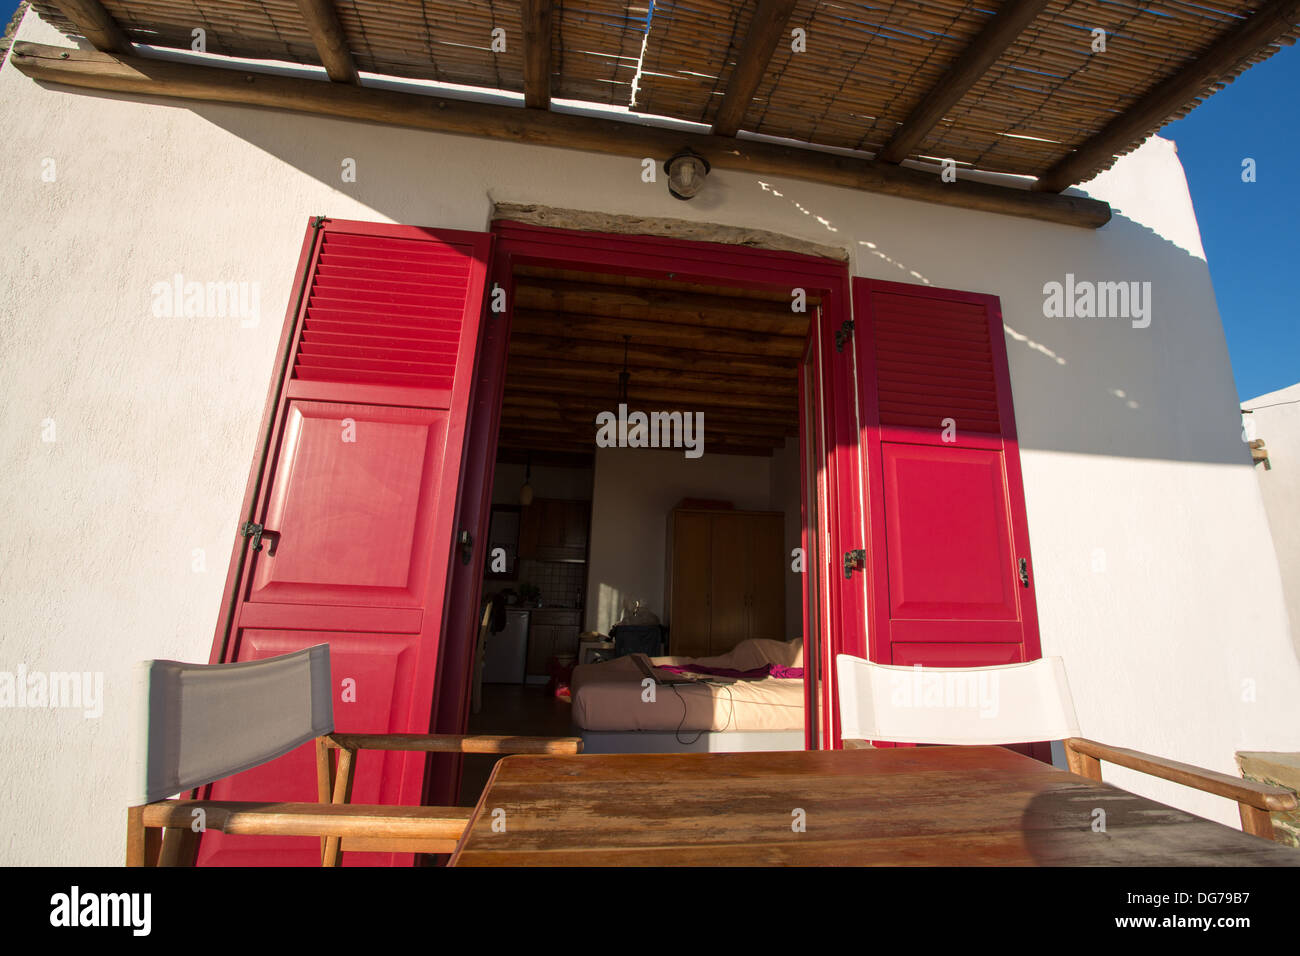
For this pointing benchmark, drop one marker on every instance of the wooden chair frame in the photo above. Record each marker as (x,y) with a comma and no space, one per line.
(163,833)
(1255,801)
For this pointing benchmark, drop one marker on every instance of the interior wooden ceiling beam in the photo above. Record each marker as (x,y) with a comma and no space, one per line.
(529,439)
(609,353)
(757,293)
(510,455)
(658,305)
(543,442)
(142,76)
(665,334)
(326,30)
(667,398)
(1272,20)
(713,429)
(753,433)
(537,17)
(96,24)
(766,28)
(745,421)
(998,34)
(597,377)
(570,436)
(581,409)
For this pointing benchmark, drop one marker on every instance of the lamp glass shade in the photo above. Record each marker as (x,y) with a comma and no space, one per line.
(686,175)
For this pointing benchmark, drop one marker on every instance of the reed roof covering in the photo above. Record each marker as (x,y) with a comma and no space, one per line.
(867,67)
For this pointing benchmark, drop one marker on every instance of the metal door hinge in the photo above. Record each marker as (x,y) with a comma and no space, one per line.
(1024,572)
(466,547)
(855,560)
(250,529)
(842,335)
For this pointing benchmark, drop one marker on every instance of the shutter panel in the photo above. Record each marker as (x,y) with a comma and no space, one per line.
(362,529)
(934,361)
(385,310)
(946,525)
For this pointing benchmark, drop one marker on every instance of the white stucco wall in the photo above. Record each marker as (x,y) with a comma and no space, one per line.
(1275,419)
(1131,449)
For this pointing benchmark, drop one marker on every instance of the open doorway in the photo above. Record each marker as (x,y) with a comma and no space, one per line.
(649,496)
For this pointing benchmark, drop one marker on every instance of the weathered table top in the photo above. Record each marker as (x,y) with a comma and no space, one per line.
(938,806)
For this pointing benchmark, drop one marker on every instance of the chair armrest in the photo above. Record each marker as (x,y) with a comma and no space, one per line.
(456,743)
(1262,796)
(245,818)
(852,743)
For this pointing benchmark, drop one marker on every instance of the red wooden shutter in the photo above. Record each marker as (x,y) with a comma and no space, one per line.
(358,497)
(947,529)
(384,310)
(934,361)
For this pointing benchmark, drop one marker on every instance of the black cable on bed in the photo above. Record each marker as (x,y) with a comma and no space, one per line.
(677,734)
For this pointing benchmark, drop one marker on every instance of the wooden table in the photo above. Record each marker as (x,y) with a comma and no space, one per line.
(898,806)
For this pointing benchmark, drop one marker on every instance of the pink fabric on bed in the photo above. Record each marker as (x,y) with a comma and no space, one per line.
(609,695)
(757,673)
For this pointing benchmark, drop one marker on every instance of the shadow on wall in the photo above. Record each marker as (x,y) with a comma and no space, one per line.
(1083,385)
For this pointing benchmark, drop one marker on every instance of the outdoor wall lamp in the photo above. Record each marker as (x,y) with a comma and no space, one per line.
(686,170)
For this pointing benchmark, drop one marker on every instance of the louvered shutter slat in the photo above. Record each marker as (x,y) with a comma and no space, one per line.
(384,311)
(933,362)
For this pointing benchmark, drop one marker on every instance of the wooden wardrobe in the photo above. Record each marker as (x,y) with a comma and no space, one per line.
(725,579)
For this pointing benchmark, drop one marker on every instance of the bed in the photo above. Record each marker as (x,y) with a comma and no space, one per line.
(755,713)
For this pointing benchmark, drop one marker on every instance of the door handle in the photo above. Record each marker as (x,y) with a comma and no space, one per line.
(1024,572)
(251,529)
(855,560)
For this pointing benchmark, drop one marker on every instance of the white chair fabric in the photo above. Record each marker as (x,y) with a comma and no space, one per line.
(197,723)
(1005,704)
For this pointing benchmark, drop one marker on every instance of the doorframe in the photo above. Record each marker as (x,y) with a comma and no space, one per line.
(702,262)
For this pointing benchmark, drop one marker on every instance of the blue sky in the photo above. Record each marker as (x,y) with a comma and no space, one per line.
(1251,231)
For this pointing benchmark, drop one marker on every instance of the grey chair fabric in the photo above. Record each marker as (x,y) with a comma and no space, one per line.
(197,723)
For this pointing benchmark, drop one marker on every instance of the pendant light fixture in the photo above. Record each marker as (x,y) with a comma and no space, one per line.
(526,490)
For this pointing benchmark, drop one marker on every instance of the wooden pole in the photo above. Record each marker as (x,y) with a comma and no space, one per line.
(1274,19)
(326,30)
(998,34)
(150,77)
(96,24)
(765,32)
(537,53)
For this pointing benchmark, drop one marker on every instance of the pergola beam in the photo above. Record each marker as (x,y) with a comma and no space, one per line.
(326,29)
(186,81)
(765,31)
(1271,21)
(998,34)
(96,24)
(537,53)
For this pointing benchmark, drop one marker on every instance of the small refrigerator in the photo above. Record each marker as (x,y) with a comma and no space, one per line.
(505,655)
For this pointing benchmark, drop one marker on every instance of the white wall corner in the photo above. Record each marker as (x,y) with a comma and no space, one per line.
(1149,187)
